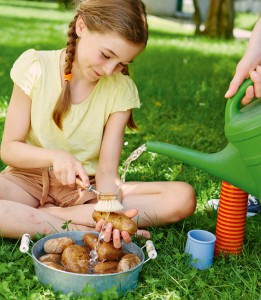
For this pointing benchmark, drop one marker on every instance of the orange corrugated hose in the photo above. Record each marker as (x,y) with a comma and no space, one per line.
(231,220)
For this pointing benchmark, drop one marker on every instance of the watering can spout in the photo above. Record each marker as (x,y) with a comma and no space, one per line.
(225,164)
(210,163)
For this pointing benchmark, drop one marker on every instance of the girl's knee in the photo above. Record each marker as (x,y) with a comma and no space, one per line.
(190,200)
(184,204)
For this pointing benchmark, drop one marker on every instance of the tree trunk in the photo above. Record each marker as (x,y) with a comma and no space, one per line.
(220,21)
(197,17)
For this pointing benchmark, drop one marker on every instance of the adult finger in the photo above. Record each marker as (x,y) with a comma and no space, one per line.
(256,78)
(234,84)
(249,95)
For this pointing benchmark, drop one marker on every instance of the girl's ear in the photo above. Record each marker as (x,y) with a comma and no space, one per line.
(80,26)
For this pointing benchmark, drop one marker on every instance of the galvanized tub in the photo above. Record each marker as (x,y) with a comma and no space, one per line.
(85,284)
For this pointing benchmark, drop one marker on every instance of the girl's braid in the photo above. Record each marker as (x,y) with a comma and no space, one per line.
(63,104)
(71,45)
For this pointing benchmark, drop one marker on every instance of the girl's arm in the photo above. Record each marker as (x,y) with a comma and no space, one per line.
(14,151)
(107,177)
(17,153)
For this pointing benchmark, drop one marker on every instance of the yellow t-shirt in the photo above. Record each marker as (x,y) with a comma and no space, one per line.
(37,73)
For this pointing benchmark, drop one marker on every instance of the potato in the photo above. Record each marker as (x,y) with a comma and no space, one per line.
(57,245)
(128,262)
(106,251)
(119,221)
(54,265)
(53,257)
(106,267)
(75,259)
(90,240)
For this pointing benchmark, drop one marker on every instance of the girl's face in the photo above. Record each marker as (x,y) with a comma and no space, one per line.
(100,54)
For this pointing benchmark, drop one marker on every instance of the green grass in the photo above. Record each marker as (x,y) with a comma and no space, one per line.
(182,80)
(246,21)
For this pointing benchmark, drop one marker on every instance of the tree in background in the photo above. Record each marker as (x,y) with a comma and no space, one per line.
(220,19)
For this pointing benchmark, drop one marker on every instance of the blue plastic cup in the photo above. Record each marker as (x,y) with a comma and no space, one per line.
(200,245)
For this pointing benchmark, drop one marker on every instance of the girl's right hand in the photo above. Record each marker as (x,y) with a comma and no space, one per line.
(66,168)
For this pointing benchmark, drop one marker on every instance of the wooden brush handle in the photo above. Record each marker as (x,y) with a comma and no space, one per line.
(79,183)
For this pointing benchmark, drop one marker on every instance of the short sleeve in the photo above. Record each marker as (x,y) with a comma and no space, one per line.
(26,71)
(127,96)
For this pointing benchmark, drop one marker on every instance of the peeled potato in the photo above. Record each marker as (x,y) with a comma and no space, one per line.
(54,265)
(90,240)
(119,221)
(57,245)
(53,257)
(106,251)
(106,267)
(75,259)
(128,262)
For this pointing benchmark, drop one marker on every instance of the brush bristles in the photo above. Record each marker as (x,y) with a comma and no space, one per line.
(108,206)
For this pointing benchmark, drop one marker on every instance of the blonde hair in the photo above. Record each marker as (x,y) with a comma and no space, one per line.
(127,18)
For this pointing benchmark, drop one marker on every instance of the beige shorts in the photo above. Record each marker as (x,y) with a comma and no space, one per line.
(43,185)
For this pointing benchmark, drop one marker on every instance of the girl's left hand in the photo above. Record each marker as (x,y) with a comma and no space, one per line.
(116,235)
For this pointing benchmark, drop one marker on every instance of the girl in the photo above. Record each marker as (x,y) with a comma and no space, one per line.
(72,107)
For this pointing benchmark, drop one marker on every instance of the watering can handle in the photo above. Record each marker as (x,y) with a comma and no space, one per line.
(232,107)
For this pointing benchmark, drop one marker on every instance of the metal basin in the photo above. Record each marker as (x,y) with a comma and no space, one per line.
(85,284)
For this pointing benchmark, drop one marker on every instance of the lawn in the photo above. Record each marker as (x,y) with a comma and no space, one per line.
(182,80)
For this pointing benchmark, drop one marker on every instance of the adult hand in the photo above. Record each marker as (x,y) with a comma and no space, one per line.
(240,76)
(66,168)
(116,235)
(249,66)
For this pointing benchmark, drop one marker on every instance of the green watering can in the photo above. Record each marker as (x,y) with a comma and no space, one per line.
(239,163)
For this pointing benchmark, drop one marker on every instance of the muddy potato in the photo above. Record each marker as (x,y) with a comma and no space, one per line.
(106,267)
(54,265)
(128,262)
(119,221)
(53,257)
(57,245)
(90,240)
(106,251)
(75,259)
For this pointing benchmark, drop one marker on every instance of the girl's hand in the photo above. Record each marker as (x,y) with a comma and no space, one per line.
(116,235)
(66,168)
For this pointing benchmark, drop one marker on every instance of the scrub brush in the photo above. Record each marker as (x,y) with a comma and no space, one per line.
(106,202)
